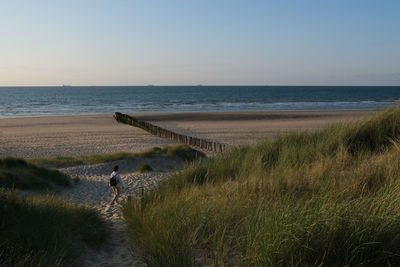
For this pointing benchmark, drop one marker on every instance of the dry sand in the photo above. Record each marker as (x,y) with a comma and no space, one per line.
(70,136)
(236,128)
(98,134)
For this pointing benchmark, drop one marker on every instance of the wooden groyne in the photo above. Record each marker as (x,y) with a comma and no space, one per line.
(164,133)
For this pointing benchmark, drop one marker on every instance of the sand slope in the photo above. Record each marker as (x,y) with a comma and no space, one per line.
(93,190)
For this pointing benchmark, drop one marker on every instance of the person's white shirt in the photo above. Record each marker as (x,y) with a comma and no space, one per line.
(118,178)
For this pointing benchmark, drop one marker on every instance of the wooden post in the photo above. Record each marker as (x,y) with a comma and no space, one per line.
(164,133)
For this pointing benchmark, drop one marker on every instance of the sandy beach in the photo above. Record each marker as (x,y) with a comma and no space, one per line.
(71,136)
(79,135)
(262,134)
(236,128)
(97,134)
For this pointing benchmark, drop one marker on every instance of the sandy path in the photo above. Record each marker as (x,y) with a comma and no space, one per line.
(93,190)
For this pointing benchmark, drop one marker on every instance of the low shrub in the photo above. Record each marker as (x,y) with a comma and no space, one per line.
(17,173)
(144,168)
(183,152)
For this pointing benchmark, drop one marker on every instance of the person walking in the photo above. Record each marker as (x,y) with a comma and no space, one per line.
(116,184)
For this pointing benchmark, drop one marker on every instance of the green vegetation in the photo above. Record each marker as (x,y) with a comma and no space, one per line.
(17,173)
(44,231)
(324,198)
(183,152)
(144,168)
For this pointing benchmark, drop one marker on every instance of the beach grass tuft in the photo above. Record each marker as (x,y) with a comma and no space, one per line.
(45,231)
(144,168)
(183,152)
(321,198)
(17,173)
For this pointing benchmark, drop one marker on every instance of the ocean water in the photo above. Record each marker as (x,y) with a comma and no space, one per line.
(75,100)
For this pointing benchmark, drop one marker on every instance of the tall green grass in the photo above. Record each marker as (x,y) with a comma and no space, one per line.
(322,198)
(44,231)
(17,173)
(183,152)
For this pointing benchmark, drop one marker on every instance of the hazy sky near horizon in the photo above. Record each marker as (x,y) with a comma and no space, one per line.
(210,42)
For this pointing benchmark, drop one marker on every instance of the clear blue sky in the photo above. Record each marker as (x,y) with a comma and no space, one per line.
(115,42)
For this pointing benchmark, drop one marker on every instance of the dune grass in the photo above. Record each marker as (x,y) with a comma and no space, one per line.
(323,198)
(183,152)
(17,173)
(144,168)
(45,231)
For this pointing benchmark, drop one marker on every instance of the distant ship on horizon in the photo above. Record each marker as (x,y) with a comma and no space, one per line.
(66,85)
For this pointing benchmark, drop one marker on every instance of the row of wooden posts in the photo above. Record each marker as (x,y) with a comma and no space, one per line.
(164,133)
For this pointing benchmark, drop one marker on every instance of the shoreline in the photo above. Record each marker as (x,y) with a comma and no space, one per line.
(49,136)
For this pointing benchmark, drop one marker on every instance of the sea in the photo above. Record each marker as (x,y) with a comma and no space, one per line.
(78,100)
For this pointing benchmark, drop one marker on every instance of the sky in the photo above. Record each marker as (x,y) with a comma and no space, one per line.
(216,42)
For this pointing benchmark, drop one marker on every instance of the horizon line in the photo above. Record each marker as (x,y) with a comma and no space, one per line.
(200,85)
